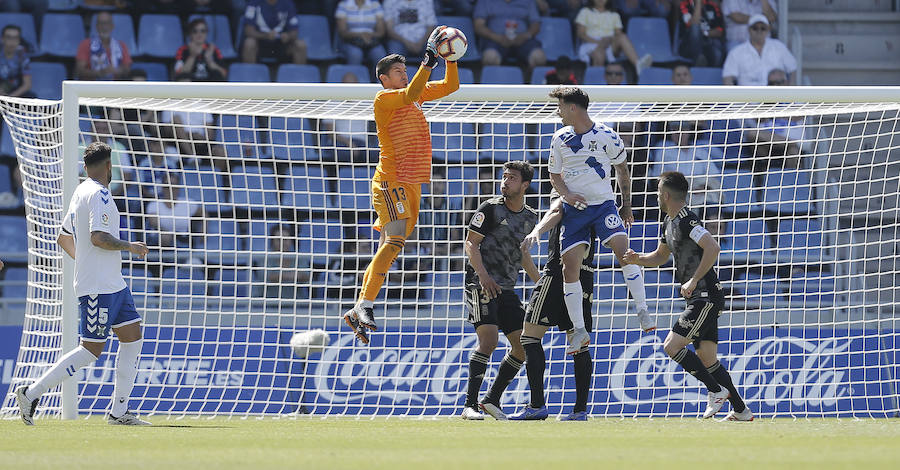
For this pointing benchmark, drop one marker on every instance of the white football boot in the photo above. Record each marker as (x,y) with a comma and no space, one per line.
(127,419)
(26,406)
(648,324)
(714,402)
(745,415)
(472,414)
(493,410)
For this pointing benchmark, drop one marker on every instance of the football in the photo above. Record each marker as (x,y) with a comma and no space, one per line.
(453,44)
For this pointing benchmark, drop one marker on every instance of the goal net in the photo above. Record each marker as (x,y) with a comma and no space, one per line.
(254,200)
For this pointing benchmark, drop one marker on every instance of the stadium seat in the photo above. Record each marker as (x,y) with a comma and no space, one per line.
(222,242)
(219,34)
(799,241)
(502,142)
(123,30)
(241,72)
(258,231)
(63,5)
(61,33)
(660,284)
(706,75)
(245,137)
(655,76)
(466,76)
(454,142)
(205,186)
(745,239)
(7,146)
(25,22)
(754,285)
(314,29)
(738,194)
(160,35)
(538,74)
(231,283)
(305,189)
(15,283)
(727,134)
(156,72)
(183,281)
(254,188)
(813,289)
(501,75)
(787,192)
(319,236)
(610,285)
(650,35)
(354,185)
(594,76)
(465,25)
(336,72)
(295,73)
(556,38)
(46,79)
(13,238)
(5,181)
(140,281)
(293,139)
(643,237)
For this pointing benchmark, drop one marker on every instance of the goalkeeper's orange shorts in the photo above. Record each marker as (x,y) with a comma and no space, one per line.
(396,201)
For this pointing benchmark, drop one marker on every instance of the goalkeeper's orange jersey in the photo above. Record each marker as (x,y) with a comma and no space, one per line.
(402,130)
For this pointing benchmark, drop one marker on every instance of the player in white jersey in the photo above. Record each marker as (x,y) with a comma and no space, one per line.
(90,235)
(582,156)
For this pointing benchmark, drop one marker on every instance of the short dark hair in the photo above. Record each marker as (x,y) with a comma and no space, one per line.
(12,26)
(571,95)
(384,65)
(524,168)
(96,153)
(675,183)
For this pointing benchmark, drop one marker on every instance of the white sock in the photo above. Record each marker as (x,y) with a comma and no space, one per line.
(573,296)
(634,279)
(126,370)
(64,368)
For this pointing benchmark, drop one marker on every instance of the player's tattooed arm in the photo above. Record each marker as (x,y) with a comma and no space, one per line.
(106,241)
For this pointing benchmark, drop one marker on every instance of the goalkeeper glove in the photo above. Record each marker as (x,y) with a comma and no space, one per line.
(431,55)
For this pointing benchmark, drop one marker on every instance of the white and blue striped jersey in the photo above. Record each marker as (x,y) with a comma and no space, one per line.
(585,161)
(92,209)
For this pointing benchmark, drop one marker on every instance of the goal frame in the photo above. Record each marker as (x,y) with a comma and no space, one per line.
(73,91)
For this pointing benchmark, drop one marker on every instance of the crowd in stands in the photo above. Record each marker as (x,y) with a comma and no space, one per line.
(727,42)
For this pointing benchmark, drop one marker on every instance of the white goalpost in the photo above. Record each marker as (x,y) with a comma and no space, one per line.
(254,201)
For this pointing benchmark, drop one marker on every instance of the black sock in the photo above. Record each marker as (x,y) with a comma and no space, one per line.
(509,368)
(477,366)
(534,367)
(691,363)
(583,369)
(722,376)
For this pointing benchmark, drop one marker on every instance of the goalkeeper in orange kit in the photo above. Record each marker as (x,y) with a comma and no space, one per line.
(404,165)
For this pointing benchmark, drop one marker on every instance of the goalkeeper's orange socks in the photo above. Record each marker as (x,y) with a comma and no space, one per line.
(378,268)
(720,373)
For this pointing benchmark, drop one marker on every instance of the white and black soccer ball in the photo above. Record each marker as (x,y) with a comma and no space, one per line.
(453,44)
(309,342)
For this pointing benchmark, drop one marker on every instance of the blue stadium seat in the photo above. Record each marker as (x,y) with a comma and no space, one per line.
(466,76)
(5,181)
(231,283)
(655,76)
(314,29)
(502,142)
(160,35)
(757,287)
(254,187)
(706,75)
(296,73)
(458,176)
(594,76)
(205,186)
(63,5)
(156,72)
(241,72)
(61,33)
(464,24)
(446,287)
(123,30)
(739,195)
(245,137)
(610,285)
(660,284)
(319,236)
(556,38)
(813,289)
(336,72)
(728,134)
(15,283)
(258,232)
(800,241)
(454,142)
(354,185)
(13,234)
(787,192)
(502,75)
(222,240)
(141,281)
(183,280)
(643,237)
(46,79)
(306,189)
(538,74)
(219,34)
(650,35)
(7,146)
(25,22)
(293,139)
(745,239)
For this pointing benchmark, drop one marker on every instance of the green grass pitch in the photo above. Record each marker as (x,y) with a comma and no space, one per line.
(396,443)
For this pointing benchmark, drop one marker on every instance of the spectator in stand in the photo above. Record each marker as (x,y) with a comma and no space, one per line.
(563,74)
(629,8)
(602,38)
(153,170)
(508,29)
(15,66)
(270,30)
(775,142)
(614,74)
(285,269)
(360,27)
(737,18)
(102,57)
(172,215)
(199,60)
(681,75)
(351,136)
(702,32)
(750,63)
(408,23)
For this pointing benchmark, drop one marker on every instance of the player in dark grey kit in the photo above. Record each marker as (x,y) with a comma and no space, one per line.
(547,308)
(493,247)
(695,250)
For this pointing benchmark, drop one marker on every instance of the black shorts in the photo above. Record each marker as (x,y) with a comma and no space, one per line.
(547,307)
(505,310)
(699,321)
